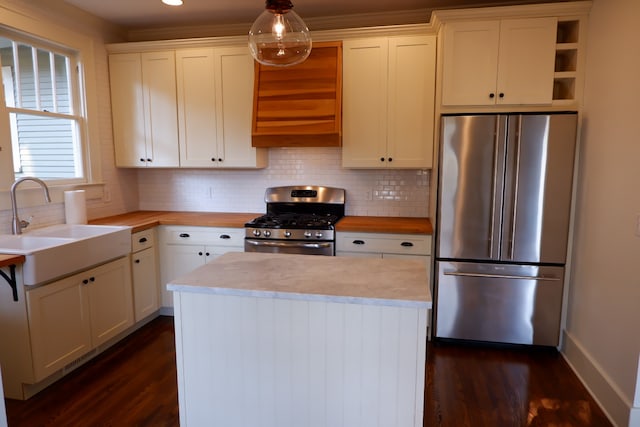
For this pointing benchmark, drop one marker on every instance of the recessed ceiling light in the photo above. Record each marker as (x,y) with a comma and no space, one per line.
(173,2)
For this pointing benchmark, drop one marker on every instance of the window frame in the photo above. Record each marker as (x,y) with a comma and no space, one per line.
(77,111)
(15,23)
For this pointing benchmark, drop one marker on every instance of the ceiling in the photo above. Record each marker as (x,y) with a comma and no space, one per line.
(152,13)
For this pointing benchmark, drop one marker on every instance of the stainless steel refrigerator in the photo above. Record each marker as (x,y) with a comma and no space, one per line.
(505,185)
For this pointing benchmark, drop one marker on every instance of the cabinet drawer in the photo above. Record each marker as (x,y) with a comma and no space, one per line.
(204,236)
(142,240)
(409,244)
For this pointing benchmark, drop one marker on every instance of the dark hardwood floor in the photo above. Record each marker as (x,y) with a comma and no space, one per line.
(134,384)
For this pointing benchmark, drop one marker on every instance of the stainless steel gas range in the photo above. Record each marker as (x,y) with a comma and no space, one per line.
(299,220)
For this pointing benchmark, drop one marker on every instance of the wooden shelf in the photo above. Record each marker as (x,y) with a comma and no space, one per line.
(566,62)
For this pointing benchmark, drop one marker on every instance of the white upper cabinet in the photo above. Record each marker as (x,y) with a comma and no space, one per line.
(388,102)
(144,109)
(215,99)
(499,62)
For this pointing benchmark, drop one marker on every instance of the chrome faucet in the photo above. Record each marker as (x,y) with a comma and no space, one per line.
(18,224)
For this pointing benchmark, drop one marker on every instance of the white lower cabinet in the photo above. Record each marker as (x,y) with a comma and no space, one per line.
(71,316)
(144,273)
(383,245)
(183,249)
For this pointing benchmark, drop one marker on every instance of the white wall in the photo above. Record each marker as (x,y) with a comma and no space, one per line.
(603,342)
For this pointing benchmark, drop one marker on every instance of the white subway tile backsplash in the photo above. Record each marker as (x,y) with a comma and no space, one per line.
(369,192)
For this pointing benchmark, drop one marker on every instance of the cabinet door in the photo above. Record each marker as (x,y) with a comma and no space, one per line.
(527,61)
(197,108)
(160,104)
(59,324)
(110,299)
(234,86)
(470,62)
(364,103)
(145,283)
(178,260)
(412,74)
(127,107)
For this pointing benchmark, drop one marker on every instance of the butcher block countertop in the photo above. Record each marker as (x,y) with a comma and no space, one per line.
(142,220)
(7,260)
(370,281)
(385,224)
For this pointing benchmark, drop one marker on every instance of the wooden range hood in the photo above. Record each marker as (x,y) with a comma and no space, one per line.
(300,105)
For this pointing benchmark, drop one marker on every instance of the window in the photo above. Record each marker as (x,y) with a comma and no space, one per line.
(41,91)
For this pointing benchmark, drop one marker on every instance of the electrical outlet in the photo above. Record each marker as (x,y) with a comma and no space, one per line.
(367,195)
(106,195)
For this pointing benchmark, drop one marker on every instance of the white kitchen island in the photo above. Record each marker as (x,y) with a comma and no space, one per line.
(273,340)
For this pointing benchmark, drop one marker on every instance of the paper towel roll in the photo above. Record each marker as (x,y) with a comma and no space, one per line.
(75,207)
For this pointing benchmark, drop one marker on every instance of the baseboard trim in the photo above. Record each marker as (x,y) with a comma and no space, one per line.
(618,409)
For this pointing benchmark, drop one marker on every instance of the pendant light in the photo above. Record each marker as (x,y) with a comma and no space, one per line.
(279,37)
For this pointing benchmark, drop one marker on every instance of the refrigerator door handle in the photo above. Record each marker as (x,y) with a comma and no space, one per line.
(516,182)
(500,276)
(494,188)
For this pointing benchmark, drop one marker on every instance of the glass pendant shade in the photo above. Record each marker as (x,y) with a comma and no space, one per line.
(279,37)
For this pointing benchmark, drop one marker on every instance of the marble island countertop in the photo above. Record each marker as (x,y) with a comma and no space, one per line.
(371,281)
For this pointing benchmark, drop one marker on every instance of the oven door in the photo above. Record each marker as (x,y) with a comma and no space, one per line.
(289,247)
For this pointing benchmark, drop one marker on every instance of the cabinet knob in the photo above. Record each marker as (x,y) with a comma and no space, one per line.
(149,160)
(141,159)
(137,261)
(213,159)
(225,236)
(200,253)
(207,254)
(219,159)
(85,281)
(390,159)
(142,240)
(358,242)
(92,279)
(382,159)
(492,95)
(406,244)
(501,95)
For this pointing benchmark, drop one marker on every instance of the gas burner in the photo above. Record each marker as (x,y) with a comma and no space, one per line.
(294,220)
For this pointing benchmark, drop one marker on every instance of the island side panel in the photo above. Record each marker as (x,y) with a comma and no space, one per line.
(252,361)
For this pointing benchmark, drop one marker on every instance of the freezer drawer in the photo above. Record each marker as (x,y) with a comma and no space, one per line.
(514,304)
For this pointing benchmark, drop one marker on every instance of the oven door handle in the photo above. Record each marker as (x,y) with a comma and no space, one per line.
(271,243)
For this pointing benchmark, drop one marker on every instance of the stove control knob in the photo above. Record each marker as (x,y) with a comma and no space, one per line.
(318,234)
(287,234)
(307,234)
(267,233)
(256,233)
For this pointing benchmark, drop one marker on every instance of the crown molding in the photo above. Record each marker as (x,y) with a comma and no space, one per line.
(406,17)
(559,9)
(327,35)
